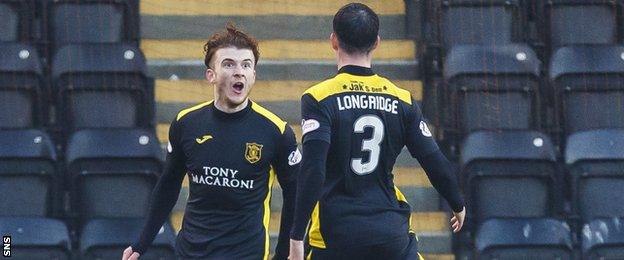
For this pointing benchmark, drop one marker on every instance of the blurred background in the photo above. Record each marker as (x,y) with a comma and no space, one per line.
(526,97)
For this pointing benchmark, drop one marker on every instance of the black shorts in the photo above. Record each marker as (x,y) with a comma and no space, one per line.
(401,249)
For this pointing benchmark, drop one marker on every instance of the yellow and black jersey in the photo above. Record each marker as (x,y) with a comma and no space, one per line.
(231,160)
(366,120)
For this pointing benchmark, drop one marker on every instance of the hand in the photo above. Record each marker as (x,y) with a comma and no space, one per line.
(457,221)
(128,254)
(296,250)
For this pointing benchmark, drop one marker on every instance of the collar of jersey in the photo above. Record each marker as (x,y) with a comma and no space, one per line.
(356,70)
(238,114)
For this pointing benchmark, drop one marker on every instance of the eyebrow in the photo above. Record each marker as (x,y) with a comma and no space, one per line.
(228,59)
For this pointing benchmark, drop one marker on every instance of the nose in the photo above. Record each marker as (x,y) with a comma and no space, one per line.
(238,71)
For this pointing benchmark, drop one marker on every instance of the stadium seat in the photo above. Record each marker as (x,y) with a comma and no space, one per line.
(499,166)
(35,238)
(107,238)
(102,86)
(491,22)
(603,239)
(91,21)
(16,17)
(575,22)
(112,172)
(22,89)
(491,88)
(595,161)
(588,86)
(28,178)
(459,22)
(520,239)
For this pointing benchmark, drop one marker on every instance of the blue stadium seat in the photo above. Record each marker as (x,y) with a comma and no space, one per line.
(521,239)
(482,22)
(91,21)
(576,22)
(603,239)
(102,86)
(491,88)
(36,238)
(450,23)
(28,177)
(22,88)
(510,174)
(595,161)
(112,172)
(107,238)
(589,87)
(16,17)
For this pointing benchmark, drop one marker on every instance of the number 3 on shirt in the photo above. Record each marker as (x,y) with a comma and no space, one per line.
(371,145)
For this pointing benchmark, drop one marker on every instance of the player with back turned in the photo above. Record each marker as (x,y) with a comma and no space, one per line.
(362,121)
(232,150)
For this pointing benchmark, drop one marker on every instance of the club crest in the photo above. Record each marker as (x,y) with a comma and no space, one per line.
(253,152)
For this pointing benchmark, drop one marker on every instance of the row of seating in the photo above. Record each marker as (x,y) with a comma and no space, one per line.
(46,238)
(501,88)
(108,78)
(546,25)
(513,177)
(52,24)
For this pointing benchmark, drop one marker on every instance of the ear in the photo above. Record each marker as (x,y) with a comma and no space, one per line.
(334,41)
(210,75)
(377,42)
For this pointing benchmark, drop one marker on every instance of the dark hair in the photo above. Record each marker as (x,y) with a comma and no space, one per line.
(230,37)
(357,27)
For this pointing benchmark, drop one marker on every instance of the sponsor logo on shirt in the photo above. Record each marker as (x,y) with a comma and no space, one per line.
(309,126)
(220,176)
(294,157)
(424,129)
(203,139)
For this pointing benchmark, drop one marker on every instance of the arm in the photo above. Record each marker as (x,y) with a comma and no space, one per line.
(164,195)
(316,129)
(163,199)
(440,172)
(443,178)
(309,185)
(287,168)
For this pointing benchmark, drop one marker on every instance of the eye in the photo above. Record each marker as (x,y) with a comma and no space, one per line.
(247,65)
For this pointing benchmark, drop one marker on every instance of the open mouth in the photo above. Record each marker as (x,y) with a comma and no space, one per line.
(238,87)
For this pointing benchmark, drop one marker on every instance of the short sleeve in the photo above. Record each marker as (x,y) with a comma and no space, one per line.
(316,123)
(419,140)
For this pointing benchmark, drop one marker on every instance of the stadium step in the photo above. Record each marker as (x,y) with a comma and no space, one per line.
(275,49)
(255,8)
(315,70)
(196,91)
(281,97)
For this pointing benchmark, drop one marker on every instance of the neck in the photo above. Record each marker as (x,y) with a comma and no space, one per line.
(223,106)
(362,60)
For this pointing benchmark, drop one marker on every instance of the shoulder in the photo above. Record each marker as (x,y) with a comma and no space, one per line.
(187,111)
(269,116)
(325,88)
(396,91)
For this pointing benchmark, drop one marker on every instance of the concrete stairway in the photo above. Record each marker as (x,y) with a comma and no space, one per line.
(294,54)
